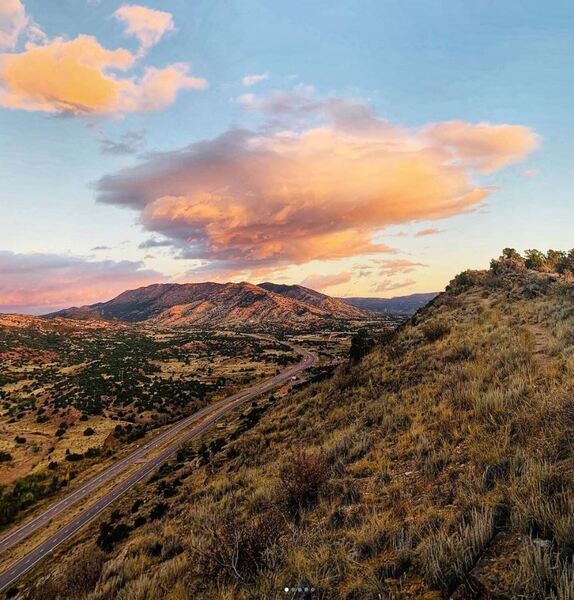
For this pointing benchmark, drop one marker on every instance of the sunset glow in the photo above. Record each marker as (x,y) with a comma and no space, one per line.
(186,142)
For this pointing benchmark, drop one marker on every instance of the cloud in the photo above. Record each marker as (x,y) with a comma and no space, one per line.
(251,80)
(100,248)
(13,22)
(399,265)
(130,142)
(531,172)
(81,77)
(153,243)
(485,146)
(427,231)
(253,199)
(387,286)
(42,282)
(322,282)
(147,25)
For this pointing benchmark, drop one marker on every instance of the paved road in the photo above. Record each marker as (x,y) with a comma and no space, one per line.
(207,416)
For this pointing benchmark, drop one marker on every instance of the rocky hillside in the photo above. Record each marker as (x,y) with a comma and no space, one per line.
(305,295)
(439,466)
(219,305)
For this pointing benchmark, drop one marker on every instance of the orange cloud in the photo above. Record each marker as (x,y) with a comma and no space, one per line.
(81,77)
(147,25)
(252,200)
(322,282)
(42,282)
(485,146)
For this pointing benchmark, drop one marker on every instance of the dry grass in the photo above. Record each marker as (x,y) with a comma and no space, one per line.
(393,477)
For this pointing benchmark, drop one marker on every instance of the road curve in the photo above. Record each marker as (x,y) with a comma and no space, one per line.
(209,414)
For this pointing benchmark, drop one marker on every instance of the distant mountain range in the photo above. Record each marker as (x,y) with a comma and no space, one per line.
(238,305)
(399,305)
(219,305)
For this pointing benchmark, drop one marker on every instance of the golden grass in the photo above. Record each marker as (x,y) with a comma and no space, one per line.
(459,428)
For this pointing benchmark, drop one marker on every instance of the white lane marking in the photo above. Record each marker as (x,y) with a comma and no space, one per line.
(220,409)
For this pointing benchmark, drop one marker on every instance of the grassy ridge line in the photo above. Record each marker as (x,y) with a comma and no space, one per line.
(439,465)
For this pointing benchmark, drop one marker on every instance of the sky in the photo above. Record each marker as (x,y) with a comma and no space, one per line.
(362,148)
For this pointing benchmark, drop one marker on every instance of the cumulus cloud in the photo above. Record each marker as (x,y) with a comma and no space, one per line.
(484,146)
(251,80)
(322,282)
(427,231)
(37,283)
(81,77)
(253,199)
(13,22)
(147,25)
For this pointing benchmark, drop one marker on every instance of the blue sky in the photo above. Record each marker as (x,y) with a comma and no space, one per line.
(412,63)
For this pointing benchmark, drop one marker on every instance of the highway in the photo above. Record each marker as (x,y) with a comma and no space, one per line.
(198,422)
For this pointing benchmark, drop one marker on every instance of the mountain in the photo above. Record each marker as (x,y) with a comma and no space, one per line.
(219,304)
(331,305)
(399,305)
(441,465)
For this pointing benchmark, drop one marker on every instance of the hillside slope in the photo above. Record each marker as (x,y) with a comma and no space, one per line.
(299,293)
(439,466)
(218,305)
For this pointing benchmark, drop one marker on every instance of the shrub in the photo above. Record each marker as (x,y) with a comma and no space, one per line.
(110,535)
(435,330)
(158,511)
(85,574)
(238,550)
(361,345)
(74,457)
(302,479)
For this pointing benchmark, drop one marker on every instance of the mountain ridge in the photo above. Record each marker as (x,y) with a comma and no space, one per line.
(223,304)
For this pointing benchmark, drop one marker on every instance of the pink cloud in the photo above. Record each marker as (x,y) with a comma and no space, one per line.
(13,22)
(270,198)
(427,231)
(485,146)
(531,172)
(322,282)
(399,265)
(147,25)
(36,283)
(387,286)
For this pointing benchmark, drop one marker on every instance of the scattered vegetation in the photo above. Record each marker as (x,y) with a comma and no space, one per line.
(438,464)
